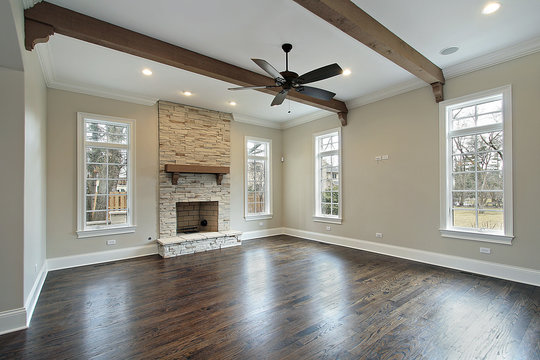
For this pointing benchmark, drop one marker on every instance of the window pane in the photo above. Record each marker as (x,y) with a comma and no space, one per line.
(117,186)
(490,161)
(463,144)
(326,209)
(464,218)
(464,181)
(117,129)
(335,209)
(117,156)
(463,112)
(462,163)
(96,218)
(326,185)
(96,155)
(96,171)
(326,161)
(490,200)
(117,171)
(96,187)
(96,202)
(491,106)
(463,199)
(488,119)
(490,141)
(256,148)
(117,201)
(490,180)
(251,208)
(335,197)
(463,123)
(326,197)
(492,220)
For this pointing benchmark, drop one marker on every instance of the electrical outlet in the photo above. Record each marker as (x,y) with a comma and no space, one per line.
(485,250)
(379,235)
(328,228)
(111,242)
(384,157)
(378,158)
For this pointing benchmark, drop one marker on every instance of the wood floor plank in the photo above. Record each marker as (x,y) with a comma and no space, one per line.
(278,298)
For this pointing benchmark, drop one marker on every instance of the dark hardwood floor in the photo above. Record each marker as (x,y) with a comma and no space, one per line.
(278,298)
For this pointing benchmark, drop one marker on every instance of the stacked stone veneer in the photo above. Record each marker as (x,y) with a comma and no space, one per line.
(192,136)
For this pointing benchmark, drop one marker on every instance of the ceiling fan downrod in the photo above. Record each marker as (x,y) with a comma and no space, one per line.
(286,47)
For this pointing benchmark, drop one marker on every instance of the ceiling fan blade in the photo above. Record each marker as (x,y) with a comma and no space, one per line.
(278,100)
(322,73)
(263,64)
(252,87)
(316,92)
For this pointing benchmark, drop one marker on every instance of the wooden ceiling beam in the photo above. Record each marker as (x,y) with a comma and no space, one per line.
(355,22)
(44,16)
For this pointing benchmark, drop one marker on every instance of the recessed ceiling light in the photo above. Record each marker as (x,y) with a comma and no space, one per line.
(346,72)
(490,8)
(232,103)
(449,50)
(187,93)
(147,72)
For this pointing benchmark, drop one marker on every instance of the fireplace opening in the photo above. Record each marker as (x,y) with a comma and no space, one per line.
(196,216)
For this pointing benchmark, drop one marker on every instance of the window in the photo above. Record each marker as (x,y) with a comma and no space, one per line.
(476,167)
(105,175)
(328,176)
(258,180)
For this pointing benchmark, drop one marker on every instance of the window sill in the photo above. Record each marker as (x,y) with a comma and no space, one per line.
(330,220)
(108,231)
(258,217)
(485,237)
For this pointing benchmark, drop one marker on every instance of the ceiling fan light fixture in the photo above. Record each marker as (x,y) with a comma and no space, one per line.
(232,103)
(346,72)
(491,7)
(187,93)
(147,72)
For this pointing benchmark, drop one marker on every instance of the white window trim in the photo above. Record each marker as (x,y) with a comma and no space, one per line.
(446,229)
(317,216)
(269,193)
(82,231)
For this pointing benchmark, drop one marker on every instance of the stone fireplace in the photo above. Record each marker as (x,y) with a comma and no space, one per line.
(196,216)
(197,142)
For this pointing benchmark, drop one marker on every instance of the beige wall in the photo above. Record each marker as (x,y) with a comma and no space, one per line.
(400,197)
(12,188)
(62,109)
(238,132)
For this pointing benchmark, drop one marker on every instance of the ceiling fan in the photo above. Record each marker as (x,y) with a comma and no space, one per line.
(288,80)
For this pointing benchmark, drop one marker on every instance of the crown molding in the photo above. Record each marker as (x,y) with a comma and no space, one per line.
(105,93)
(500,56)
(306,118)
(255,121)
(382,94)
(45,57)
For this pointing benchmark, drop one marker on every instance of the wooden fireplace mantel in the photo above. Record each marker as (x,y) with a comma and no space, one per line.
(176,170)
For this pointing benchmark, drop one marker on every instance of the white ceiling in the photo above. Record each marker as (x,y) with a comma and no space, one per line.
(236,30)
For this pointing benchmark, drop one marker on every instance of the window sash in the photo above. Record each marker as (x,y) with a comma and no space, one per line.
(257,191)
(481,211)
(112,201)
(334,205)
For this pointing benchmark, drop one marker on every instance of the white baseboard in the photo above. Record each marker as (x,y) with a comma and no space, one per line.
(507,272)
(12,320)
(66,262)
(248,235)
(33,297)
